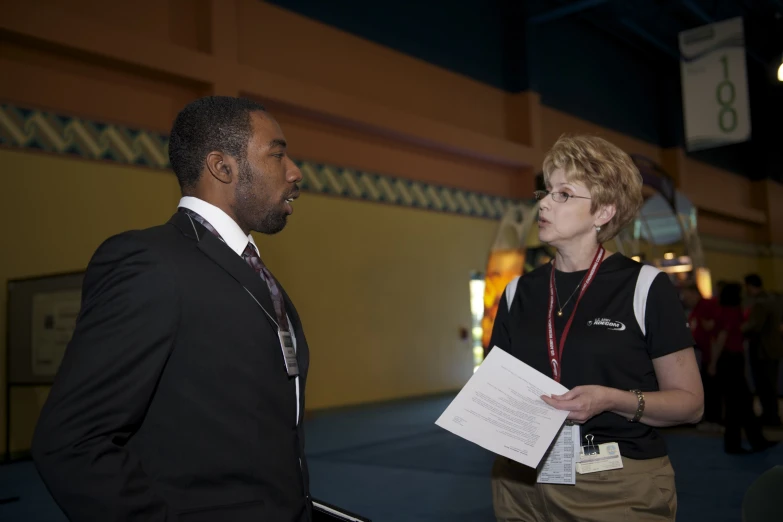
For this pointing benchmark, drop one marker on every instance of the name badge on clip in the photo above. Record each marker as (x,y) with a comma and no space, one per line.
(560,462)
(598,457)
(289,353)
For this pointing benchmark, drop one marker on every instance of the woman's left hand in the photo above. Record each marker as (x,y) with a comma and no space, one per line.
(582,402)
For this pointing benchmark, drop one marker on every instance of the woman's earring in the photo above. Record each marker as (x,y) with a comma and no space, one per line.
(598,228)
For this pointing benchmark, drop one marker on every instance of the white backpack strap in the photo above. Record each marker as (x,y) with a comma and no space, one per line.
(646,277)
(511,290)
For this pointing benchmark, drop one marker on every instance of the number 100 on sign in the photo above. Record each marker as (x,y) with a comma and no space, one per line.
(714,85)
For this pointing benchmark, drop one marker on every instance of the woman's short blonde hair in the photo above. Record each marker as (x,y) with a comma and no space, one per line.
(608,173)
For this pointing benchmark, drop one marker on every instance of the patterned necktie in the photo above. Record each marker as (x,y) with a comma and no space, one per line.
(252,258)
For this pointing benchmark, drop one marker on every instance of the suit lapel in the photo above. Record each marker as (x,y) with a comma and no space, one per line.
(229,261)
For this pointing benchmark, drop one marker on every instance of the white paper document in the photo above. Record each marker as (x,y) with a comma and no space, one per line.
(560,463)
(501,410)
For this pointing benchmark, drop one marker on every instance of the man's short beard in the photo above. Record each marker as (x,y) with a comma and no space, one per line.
(262,220)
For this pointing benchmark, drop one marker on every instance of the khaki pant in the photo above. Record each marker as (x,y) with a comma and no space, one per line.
(643,490)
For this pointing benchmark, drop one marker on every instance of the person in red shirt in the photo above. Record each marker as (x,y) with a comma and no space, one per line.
(702,317)
(728,365)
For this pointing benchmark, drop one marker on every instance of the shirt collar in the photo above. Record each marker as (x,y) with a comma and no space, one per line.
(225,226)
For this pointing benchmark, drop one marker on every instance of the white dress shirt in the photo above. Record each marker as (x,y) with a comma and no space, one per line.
(235,238)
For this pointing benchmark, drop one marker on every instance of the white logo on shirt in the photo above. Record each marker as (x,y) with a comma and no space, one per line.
(608,323)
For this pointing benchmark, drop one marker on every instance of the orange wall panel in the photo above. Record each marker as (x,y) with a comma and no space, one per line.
(713,224)
(182,22)
(102,91)
(339,145)
(711,183)
(278,41)
(189,24)
(554,123)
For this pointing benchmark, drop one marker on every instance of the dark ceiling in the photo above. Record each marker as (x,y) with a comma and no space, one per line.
(652,26)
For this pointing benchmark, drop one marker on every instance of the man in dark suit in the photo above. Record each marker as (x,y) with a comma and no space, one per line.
(181,394)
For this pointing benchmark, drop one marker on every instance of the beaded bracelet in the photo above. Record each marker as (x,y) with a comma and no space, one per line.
(639,407)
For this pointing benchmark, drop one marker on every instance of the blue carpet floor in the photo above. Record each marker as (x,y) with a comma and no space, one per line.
(391,463)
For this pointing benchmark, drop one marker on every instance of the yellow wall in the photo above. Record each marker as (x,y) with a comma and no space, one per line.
(734,267)
(382,290)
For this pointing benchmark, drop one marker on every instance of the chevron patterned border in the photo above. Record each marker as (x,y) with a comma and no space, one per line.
(44,131)
(328,179)
(33,129)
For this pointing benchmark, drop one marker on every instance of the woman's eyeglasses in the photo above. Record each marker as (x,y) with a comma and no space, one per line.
(559,197)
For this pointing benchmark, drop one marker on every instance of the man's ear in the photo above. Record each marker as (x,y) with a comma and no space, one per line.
(604,215)
(222,167)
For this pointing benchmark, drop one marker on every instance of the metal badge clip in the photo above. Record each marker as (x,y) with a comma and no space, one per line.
(591,448)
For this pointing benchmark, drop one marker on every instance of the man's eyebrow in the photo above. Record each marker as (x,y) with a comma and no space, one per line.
(278,143)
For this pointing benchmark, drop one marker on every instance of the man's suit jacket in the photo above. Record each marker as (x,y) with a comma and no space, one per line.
(172,401)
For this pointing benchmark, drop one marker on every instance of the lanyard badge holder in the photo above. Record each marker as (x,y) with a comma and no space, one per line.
(598,457)
(286,343)
(289,353)
(555,349)
(560,463)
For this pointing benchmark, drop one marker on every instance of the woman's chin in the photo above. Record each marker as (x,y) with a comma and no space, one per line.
(544,236)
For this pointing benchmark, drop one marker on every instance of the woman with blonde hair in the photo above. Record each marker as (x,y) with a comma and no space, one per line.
(610,330)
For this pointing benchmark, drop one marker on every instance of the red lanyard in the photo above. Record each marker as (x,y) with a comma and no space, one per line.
(556,355)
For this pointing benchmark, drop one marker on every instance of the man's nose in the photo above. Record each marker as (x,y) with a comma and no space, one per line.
(293,174)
